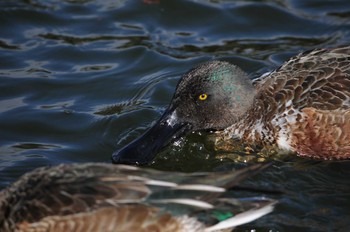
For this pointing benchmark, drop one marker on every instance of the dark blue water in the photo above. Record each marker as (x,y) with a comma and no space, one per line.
(79,79)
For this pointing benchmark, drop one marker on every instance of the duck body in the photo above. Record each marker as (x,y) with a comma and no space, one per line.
(303,107)
(118,198)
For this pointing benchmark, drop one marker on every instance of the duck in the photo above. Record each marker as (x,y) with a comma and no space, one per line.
(302,108)
(101,197)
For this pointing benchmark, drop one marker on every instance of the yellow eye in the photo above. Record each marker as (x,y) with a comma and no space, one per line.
(203,97)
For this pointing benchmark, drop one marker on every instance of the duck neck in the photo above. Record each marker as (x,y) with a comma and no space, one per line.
(253,127)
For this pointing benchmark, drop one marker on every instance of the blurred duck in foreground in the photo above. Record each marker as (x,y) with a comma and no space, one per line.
(104,197)
(303,107)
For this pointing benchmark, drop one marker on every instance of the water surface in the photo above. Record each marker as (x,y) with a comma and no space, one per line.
(79,79)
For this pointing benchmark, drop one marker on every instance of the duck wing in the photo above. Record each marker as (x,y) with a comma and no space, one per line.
(319,79)
(95,197)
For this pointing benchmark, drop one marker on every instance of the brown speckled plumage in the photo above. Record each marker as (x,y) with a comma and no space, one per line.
(303,106)
(105,197)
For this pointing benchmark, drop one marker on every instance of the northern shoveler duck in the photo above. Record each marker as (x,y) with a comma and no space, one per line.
(303,107)
(119,198)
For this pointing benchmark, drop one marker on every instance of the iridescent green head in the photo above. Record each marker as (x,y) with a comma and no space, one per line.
(213,95)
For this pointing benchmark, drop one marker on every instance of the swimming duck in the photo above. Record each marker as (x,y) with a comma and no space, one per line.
(118,198)
(303,107)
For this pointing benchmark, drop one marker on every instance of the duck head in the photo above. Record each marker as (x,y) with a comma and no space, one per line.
(214,95)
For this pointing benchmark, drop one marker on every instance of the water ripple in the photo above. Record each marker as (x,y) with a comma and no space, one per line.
(80,78)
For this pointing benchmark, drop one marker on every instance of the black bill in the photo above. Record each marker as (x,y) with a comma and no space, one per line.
(144,149)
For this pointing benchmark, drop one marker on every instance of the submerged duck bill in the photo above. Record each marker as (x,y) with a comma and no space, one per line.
(193,107)
(144,149)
